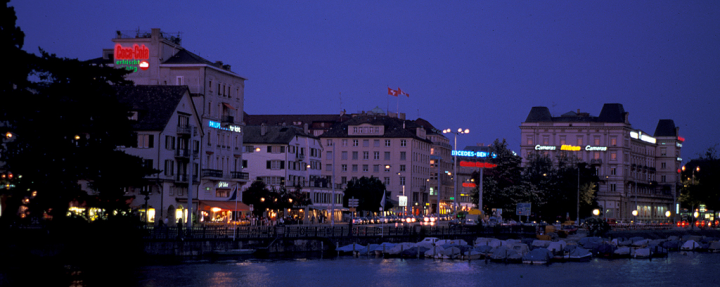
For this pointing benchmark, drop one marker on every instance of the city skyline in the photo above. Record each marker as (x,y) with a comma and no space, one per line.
(480,66)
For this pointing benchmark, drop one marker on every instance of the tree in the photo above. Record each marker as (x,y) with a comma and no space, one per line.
(369,191)
(500,184)
(259,196)
(64,127)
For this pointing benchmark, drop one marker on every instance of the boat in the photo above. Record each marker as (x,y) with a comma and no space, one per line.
(472,255)
(450,253)
(541,243)
(606,250)
(641,253)
(350,248)
(414,252)
(537,256)
(234,252)
(641,243)
(622,252)
(672,245)
(385,246)
(658,251)
(483,241)
(515,257)
(714,246)
(556,247)
(400,247)
(500,253)
(431,253)
(580,254)
(689,245)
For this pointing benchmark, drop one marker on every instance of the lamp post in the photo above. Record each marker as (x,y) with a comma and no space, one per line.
(460,131)
(577,221)
(332,185)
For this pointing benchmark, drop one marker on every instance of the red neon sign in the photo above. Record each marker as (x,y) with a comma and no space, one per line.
(144,65)
(469,184)
(477,164)
(132,53)
(682,139)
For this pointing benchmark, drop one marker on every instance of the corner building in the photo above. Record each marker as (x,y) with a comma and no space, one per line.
(157,58)
(637,171)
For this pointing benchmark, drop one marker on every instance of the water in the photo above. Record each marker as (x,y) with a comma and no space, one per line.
(693,269)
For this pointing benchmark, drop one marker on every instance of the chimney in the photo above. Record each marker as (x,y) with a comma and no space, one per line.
(677,131)
(626,117)
(305,128)
(578,111)
(219,63)
(401,116)
(263,129)
(480,144)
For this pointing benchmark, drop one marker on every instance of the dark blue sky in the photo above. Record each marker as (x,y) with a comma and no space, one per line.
(473,64)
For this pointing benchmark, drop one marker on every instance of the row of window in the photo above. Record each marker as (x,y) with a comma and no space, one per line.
(366,143)
(563,140)
(366,155)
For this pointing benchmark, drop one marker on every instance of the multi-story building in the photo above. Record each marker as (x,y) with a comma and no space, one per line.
(637,171)
(392,149)
(169,133)
(289,157)
(157,58)
(440,183)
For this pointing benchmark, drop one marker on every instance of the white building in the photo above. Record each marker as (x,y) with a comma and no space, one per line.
(637,171)
(157,58)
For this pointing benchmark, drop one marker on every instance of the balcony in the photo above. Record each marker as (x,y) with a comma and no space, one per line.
(181,178)
(185,130)
(182,153)
(227,119)
(596,161)
(212,173)
(300,156)
(240,175)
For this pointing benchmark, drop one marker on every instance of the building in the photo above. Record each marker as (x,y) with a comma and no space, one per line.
(637,171)
(289,157)
(392,149)
(169,131)
(157,58)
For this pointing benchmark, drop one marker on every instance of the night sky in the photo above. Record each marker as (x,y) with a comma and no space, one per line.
(472,64)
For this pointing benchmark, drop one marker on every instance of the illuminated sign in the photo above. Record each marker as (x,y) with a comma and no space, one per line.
(678,144)
(132,58)
(230,128)
(223,184)
(432,190)
(469,153)
(679,159)
(477,164)
(595,148)
(570,147)
(452,198)
(402,200)
(682,139)
(643,137)
(545,147)
(469,184)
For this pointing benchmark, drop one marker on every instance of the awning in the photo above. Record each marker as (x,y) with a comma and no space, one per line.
(229,106)
(224,205)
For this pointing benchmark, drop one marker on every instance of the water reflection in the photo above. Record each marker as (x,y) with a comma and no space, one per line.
(371,271)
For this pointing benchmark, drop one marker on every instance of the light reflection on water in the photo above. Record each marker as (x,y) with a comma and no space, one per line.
(693,269)
(364,271)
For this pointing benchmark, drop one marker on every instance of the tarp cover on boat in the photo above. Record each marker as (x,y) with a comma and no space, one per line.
(538,255)
(579,253)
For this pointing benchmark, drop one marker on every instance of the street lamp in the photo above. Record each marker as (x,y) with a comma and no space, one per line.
(460,131)
(596,212)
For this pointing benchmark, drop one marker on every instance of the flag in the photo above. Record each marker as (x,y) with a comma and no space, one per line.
(382,202)
(392,92)
(234,194)
(406,94)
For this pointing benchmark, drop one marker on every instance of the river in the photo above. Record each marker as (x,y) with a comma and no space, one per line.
(693,269)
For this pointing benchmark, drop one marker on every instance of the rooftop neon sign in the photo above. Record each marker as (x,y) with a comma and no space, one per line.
(545,147)
(133,57)
(643,137)
(469,153)
(570,147)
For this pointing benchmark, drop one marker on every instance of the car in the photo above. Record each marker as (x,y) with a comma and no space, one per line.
(470,222)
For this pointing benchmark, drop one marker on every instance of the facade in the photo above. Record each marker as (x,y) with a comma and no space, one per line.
(392,149)
(290,157)
(637,171)
(467,164)
(169,131)
(157,58)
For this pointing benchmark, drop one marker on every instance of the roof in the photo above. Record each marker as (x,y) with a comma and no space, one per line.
(155,104)
(665,128)
(611,113)
(393,127)
(279,120)
(185,57)
(274,134)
